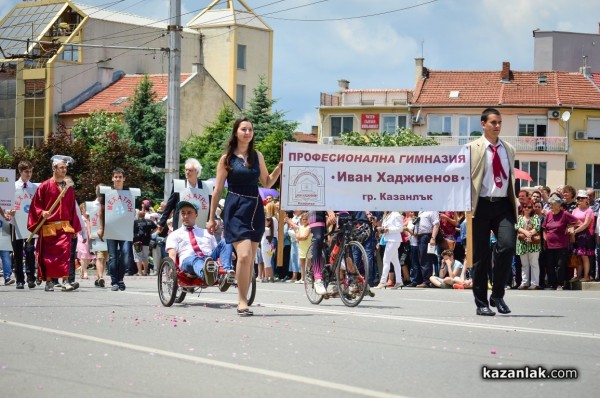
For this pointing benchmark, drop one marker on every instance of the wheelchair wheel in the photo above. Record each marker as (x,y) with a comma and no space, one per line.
(180,296)
(167,281)
(351,274)
(252,290)
(309,278)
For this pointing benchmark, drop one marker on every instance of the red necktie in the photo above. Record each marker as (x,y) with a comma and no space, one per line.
(194,242)
(497,166)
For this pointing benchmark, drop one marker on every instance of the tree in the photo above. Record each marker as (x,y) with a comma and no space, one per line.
(92,129)
(147,127)
(270,127)
(405,137)
(209,146)
(109,146)
(147,124)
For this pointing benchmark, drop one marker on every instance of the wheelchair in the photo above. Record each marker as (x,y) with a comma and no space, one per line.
(174,284)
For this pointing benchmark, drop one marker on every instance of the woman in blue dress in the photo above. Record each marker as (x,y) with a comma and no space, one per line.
(243,215)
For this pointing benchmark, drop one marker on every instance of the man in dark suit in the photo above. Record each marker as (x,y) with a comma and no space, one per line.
(494,209)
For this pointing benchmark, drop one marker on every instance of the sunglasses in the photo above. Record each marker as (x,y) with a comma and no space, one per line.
(528,207)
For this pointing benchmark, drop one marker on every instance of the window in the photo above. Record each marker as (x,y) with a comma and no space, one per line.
(592,176)
(241,56)
(533,126)
(8,95)
(469,125)
(391,123)
(33,120)
(70,53)
(537,171)
(240,95)
(593,132)
(341,124)
(439,125)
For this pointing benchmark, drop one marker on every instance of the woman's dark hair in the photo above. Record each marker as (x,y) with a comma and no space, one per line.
(571,190)
(233,143)
(528,202)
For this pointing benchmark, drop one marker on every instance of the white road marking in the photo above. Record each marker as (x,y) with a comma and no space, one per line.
(211,362)
(433,321)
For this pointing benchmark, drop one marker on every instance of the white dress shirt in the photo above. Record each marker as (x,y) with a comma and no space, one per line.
(180,241)
(488,187)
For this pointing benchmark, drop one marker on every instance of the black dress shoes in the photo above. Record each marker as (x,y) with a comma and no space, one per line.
(485,311)
(500,305)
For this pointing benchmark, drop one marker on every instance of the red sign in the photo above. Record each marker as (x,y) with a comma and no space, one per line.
(369,121)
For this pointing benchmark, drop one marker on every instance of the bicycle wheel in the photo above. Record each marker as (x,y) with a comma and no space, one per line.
(351,279)
(180,296)
(167,282)
(309,280)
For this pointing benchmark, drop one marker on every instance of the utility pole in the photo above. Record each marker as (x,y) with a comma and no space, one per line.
(172,144)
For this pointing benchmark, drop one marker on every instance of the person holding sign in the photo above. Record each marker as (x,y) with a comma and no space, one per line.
(493,203)
(24,191)
(53,215)
(244,216)
(117,213)
(191,189)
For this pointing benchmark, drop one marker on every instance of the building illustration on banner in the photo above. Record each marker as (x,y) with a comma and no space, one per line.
(307,186)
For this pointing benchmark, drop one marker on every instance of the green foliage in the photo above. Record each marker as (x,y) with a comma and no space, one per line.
(95,129)
(405,137)
(5,158)
(147,124)
(209,147)
(270,127)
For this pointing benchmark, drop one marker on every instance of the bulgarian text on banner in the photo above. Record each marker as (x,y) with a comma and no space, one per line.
(319,177)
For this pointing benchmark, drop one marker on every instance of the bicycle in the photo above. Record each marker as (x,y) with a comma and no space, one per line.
(339,275)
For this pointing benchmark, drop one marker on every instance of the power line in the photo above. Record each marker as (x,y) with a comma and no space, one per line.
(84,45)
(355,17)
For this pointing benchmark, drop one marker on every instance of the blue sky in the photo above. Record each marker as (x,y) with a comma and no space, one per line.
(379,51)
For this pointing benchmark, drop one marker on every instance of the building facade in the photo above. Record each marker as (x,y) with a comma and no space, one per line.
(78,50)
(447,105)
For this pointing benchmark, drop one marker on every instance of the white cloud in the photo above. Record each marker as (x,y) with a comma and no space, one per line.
(307,120)
(370,42)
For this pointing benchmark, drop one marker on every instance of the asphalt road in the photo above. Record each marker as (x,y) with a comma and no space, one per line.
(412,342)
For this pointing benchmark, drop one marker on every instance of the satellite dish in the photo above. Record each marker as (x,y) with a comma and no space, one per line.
(566,116)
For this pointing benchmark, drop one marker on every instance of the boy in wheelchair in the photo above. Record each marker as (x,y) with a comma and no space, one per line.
(198,250)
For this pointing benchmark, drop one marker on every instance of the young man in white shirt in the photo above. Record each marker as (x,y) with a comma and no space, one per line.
(196,256)
(23,183)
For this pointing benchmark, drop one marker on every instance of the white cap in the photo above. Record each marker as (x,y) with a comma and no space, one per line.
(56,159)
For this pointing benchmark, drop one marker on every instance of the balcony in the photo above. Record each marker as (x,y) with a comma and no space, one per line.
(521,144)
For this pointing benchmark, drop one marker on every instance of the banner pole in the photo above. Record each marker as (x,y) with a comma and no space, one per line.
(469,257)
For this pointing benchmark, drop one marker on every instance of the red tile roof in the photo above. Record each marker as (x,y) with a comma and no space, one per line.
(304,137)
(596,78)
(107,99)
(479,89)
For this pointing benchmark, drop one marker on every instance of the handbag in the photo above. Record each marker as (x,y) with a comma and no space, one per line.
(574,261)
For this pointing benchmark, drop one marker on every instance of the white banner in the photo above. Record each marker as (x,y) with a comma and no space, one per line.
(336,177)
(119,213)
(23,198)
(7,188)
(5,238)
(93,211)
(198,196)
